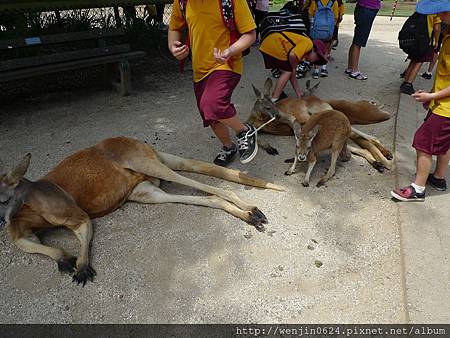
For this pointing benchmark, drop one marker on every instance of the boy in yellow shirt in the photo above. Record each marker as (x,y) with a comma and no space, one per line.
(433,136)
(284,51)
(217,64)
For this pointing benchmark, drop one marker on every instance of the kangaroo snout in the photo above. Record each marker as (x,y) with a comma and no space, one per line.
(301,157)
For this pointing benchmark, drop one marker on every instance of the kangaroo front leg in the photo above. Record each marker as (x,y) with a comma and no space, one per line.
(31,244)
(84,271)
(312,160)
(293,166)
(331,169)
(145,192)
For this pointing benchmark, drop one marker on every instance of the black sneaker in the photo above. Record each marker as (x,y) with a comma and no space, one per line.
(225,156)
(437,183)
(427,75)
(407,88)
(247,144)
(275,73)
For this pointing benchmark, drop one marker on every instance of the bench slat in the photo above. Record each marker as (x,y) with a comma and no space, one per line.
(64,66)
(61,57)
(60,38)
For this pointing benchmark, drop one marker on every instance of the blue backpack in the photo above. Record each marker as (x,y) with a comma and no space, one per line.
(323,22)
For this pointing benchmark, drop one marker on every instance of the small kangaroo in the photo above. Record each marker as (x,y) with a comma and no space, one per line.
(329,129)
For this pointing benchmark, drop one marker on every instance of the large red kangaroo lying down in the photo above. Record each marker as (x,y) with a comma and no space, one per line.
(97,180)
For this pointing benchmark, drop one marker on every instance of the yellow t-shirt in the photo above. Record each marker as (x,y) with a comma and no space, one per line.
(208,31)
(335,8)
(278,46)
(442,80)
(432,20)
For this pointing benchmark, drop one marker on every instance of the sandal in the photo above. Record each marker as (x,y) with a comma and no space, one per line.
(357,76)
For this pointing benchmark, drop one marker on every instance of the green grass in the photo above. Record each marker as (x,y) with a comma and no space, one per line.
(404,8)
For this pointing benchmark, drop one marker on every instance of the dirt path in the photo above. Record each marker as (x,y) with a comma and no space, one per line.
(176,263)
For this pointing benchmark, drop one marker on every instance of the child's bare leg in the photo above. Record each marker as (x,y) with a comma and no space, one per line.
(424,163)
(233,123)
(442,165)
(222,133)
(281,83)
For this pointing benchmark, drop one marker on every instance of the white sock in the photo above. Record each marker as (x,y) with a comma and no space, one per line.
(274,99)
(324,67)
(418,188)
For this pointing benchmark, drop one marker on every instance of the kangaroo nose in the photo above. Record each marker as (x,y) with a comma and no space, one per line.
(302,157)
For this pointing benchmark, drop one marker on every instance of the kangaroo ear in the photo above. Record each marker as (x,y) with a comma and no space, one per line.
(268,86)
(257,92)
(313,132)
(19,171)
(297,128)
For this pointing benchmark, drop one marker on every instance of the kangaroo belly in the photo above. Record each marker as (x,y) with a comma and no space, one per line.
(97,184)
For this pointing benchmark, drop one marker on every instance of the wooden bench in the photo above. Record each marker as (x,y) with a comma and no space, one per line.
(46,54)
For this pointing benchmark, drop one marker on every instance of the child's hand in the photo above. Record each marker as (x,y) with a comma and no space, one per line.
(422,96)
(222,57)
(179,50)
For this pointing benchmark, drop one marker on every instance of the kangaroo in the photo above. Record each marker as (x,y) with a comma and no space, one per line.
(97,180)
(290,110)
(329,129)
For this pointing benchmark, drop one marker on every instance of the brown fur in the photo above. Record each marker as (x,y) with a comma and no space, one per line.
(97,180)
(329,129)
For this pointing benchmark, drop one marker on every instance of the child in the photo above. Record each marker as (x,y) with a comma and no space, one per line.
(284,51)
(261,10)
(434,28)
(429,73)
(312,11)
(433,137)
(217,64)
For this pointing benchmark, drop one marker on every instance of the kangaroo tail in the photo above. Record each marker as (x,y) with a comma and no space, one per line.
(183,164)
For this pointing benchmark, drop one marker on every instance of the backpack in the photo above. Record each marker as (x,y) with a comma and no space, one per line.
(413,38)
(227,7)
(282,21)
(323,22)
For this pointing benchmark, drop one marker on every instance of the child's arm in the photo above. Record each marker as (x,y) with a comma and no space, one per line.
(294,61)
(175,45)
(244,42)
(422,96)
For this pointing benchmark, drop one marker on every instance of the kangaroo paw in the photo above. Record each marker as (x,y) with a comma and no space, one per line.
(84,273)
(272,151)
(289,160)
(378,166)
(320,184)
(305,184)
(257,219)
(67,264)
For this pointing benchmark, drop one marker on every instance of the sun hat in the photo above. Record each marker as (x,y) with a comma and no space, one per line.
(321,49)
(432,6)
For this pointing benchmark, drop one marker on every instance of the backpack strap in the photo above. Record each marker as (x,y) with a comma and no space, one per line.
(330,4)
(227,11)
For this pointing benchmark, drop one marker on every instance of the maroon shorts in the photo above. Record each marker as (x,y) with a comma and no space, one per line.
(428,57)
(213,95)
(433,136)
(270,62)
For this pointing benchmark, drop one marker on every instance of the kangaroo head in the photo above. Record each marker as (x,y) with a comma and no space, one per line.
(264,106)
(303,140)
(10,196)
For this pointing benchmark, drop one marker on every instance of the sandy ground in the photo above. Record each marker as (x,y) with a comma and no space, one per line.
(176,263)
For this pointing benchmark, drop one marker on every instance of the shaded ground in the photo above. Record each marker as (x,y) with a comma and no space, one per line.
(176,263)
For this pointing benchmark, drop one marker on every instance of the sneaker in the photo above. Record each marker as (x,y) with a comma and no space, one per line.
(427,75)
(315,74)
(247,144)
(225,156)
(407,88)
(407,194)
(323,73)
(437,183)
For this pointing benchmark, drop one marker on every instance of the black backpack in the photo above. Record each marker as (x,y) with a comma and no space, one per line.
(413,38)
(282,21)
